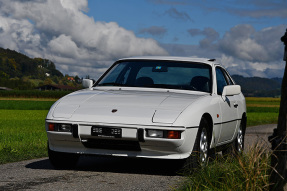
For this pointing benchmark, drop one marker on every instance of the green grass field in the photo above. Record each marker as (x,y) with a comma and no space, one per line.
(262,111)
(22,135)
(22,127)
(25,105)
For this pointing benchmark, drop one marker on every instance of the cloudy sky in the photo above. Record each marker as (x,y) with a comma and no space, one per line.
(84,37)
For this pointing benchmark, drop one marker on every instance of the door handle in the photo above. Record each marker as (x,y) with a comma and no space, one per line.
(235,105)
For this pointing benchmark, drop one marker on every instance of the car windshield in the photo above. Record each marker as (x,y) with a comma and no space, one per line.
(159,74)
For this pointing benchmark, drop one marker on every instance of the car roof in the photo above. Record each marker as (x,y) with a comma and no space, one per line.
(210,62)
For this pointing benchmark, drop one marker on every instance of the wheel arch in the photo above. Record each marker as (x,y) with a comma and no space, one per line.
(244,121)
(209,119)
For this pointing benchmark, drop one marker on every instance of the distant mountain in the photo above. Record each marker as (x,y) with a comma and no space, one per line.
(18,71)
(16,65)
(259,87)
(279,80)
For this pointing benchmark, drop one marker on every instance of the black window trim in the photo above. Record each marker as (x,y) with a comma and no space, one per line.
(221,69)
(151,60)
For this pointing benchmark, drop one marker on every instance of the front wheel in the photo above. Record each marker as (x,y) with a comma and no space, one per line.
(201,149)
(62,160)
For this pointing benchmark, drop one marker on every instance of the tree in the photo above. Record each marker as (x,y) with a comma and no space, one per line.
(48,81)
(77,79)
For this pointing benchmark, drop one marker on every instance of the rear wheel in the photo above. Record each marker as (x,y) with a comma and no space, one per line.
(239,141)
(62,160)
(237,145)
(201,149)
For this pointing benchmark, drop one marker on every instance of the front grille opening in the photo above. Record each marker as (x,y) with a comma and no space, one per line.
(112,144)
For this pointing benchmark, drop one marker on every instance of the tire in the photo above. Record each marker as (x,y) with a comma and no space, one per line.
(239,141)
(237,145)
(201,149)
(62,160)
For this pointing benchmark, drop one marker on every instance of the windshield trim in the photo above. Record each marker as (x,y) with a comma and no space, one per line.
(151,60)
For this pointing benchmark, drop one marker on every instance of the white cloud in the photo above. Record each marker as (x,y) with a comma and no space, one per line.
(75,5)
(242,50)
(63,46)
(256,53)
(60,31)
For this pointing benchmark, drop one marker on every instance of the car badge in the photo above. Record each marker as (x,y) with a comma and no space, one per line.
(114,110)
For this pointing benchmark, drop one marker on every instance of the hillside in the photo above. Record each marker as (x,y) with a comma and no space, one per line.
(17,65)
(18,71)
(259,87)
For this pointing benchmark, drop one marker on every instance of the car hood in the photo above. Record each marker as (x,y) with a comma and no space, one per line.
(122,107)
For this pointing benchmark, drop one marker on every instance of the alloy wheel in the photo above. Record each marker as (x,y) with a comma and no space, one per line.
(203,147)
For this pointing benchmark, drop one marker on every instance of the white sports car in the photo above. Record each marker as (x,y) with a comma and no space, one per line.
(151,107)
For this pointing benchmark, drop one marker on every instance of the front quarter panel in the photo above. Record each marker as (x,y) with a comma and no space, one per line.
(192,115)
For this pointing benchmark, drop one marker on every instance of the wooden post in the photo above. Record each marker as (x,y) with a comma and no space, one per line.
(278,139)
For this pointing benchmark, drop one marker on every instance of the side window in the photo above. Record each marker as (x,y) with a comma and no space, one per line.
(221,81)
(228,78)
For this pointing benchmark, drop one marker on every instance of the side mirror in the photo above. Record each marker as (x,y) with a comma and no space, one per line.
(231,90)
(87,83)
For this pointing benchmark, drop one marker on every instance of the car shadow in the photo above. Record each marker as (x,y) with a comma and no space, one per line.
(118,165)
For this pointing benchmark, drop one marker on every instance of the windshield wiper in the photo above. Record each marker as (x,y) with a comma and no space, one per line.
(110,84)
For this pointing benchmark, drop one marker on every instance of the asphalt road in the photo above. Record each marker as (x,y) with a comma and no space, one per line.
(94,173)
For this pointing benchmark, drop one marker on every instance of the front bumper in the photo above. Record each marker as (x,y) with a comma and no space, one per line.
(133,143)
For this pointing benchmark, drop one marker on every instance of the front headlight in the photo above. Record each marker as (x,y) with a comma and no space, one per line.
(60,127)
(65,127)
(155,133)
(167,134)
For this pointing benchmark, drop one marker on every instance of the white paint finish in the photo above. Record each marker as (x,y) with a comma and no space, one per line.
(147,108)
(229,117)
(65,110)
(165,116)
(87,83)
(231,90)
(133,107)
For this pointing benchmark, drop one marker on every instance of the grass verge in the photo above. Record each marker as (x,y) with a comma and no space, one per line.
(254,118)
(22,135)
(248,171)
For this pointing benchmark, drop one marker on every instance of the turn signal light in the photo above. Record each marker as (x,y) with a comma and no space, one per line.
(51,127)
(173,134)
(166,134)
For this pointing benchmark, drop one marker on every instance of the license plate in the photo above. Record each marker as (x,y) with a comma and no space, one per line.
(106,132)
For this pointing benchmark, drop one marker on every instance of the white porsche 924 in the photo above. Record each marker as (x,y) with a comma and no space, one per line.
(151,107)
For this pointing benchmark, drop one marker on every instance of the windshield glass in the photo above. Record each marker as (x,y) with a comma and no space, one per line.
(159,74)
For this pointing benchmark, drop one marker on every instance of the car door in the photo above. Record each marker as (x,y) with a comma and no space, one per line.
(228,107)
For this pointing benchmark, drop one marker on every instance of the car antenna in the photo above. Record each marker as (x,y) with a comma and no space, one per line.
(212,60)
